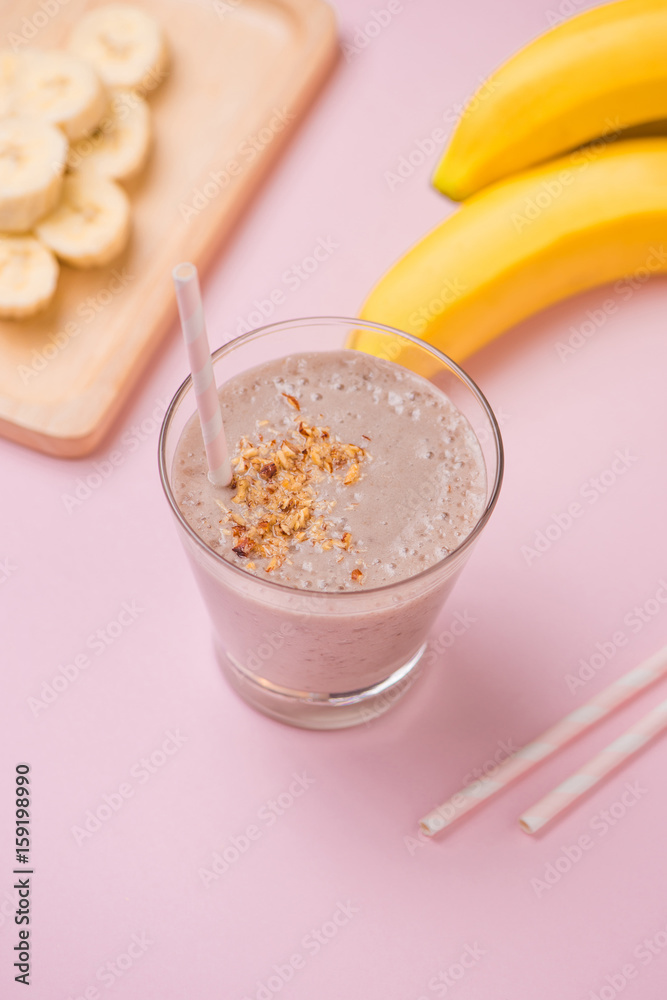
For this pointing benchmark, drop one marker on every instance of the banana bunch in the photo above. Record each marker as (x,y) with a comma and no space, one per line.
(552,205)
(72,124)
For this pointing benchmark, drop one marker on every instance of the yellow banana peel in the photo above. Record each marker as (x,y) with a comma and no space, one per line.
(518,246)
(596,74)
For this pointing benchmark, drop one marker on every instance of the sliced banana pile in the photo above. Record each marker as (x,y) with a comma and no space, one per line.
(118,149)
(91,224)
(60,88)
(72,124)
(28,275)
(32,162)
(125,45)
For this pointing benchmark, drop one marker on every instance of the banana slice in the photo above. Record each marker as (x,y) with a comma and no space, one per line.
(28,276)
(119,147)
(61,88)
(125,45)
(32,161)
(91,225)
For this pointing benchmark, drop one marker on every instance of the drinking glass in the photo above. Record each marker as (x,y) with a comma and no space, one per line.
(326,660)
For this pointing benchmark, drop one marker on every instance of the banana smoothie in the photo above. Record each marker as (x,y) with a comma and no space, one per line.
(349,472)
(355,483)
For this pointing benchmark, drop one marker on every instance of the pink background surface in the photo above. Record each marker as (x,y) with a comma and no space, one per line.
(417,907)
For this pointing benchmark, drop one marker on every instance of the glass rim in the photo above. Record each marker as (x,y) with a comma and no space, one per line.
(336,320)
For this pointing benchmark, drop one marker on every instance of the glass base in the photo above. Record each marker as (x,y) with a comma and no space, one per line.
(321,711)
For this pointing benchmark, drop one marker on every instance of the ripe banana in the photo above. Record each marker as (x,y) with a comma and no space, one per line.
(91,224)
(28,276)
(595,74)
(62,89)
(32,161)
(125,45)
(522,245)
(119,147)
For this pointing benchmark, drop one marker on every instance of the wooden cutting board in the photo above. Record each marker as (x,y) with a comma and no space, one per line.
(242,72)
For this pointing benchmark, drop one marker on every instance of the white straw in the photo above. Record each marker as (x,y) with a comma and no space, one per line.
(581,782)
(580,720)
(188,296)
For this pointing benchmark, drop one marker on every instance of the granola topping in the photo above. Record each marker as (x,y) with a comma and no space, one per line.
(277,504)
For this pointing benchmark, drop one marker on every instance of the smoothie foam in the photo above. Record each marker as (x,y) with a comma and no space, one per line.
(388,474)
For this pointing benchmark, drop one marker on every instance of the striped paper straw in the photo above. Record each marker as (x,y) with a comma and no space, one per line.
(612,757)
(188,296)
(577,722)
